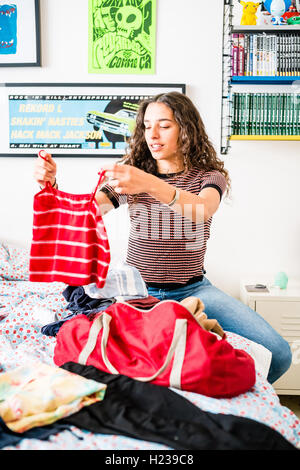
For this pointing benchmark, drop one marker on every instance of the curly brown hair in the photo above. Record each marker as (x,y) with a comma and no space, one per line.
(197,150)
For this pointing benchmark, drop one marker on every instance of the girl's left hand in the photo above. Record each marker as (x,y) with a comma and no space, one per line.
(127,179)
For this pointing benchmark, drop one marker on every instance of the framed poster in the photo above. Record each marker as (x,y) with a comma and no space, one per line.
(122,36)
(71,119)
(20,33)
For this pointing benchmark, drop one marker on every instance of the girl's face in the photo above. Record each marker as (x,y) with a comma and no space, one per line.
(162,133)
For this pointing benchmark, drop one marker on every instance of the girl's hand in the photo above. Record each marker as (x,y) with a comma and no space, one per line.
(45,169)
(127,179)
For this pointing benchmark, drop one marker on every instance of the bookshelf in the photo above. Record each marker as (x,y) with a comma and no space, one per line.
(260,82)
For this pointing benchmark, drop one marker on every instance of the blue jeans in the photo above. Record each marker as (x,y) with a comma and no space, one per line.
(235,317)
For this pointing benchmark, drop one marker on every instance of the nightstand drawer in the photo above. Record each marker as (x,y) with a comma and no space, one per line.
(283,315)
(281,309)
(290,380)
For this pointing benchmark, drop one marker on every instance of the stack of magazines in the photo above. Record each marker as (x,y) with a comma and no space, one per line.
(265,114)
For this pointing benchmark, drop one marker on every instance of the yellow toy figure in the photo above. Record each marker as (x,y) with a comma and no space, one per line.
(249,13)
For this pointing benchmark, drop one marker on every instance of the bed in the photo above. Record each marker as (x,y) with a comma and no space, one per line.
(25,307)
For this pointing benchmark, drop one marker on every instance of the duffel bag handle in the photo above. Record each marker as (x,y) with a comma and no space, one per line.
(177,349)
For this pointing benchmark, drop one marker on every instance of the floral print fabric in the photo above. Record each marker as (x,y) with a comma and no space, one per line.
(38,394)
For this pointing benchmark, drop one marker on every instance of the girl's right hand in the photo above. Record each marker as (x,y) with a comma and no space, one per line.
(45,169)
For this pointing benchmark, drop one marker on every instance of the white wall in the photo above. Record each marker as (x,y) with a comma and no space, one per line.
(257,232)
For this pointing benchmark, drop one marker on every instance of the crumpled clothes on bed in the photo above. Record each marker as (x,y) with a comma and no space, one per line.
(38,394)
(80,302)
(155,413)
(10,438)
(123,282)
(51,329)
(196,307)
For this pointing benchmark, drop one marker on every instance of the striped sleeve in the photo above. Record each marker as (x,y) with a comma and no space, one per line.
(116,198)
(214,179)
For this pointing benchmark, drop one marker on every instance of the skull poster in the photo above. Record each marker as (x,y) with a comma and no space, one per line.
(122,36)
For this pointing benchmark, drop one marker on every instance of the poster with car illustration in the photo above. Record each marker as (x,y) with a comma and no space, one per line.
(72,122)
(71,119)
(122,36)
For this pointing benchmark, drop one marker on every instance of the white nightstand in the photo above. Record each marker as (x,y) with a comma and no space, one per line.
(281,309)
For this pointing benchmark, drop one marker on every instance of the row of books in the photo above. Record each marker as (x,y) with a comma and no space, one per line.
(265,113)
(266,54)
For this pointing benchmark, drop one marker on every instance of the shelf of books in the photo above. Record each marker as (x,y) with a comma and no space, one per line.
(261,57)
(255,56)
(265,116)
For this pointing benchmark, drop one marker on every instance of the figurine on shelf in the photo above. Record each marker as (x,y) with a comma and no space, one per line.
(294,20)
(249,13)
(277,8)
(264,19)
(291,13)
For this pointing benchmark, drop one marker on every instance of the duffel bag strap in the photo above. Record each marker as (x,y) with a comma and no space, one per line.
(177,349)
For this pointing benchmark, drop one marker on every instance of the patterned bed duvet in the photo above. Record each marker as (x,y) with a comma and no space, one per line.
(25,307)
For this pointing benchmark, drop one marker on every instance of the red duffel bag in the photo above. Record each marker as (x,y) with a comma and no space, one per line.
(164,345)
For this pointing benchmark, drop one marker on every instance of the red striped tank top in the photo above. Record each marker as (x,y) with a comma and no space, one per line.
(69,241)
